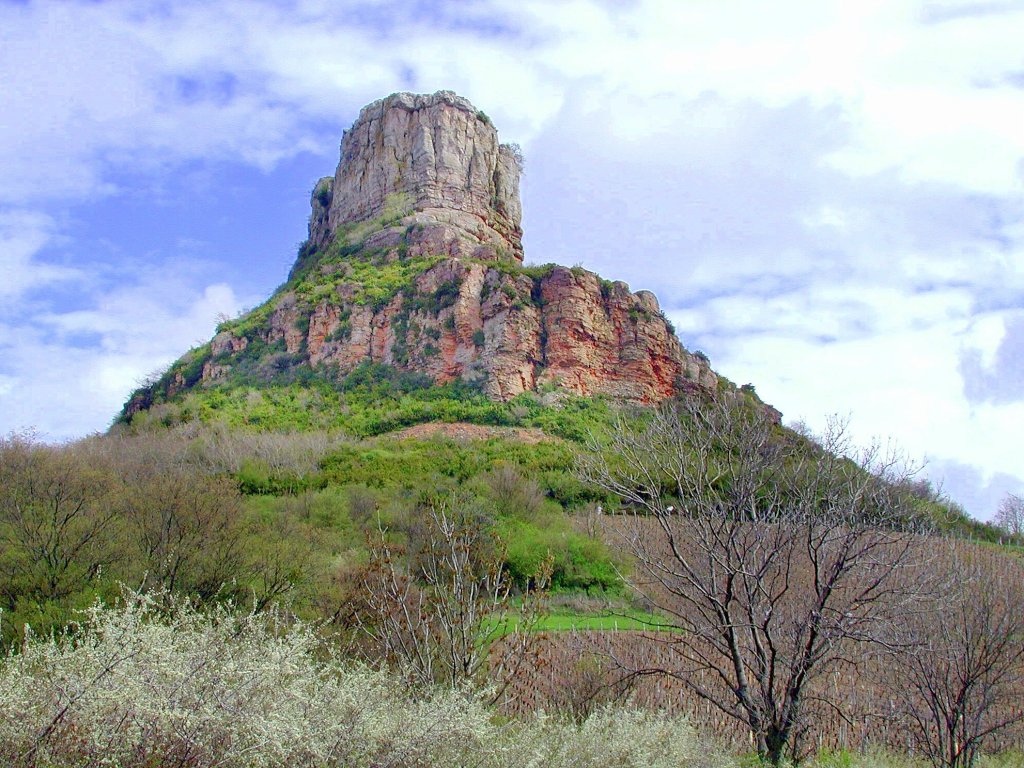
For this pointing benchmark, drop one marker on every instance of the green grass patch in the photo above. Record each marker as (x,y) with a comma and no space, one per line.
(568,621)
(276,392)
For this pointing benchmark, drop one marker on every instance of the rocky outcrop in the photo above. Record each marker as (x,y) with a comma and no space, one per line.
(320,203)
(435,156)
(414,260)
(510,330)
(605,339)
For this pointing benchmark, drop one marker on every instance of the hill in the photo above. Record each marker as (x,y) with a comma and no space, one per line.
(414,260)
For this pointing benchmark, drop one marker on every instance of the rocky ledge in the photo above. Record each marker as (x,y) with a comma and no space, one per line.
(510,330)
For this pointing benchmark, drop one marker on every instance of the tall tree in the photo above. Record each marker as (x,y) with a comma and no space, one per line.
(1010,516)
(776,556)
(187,528)
(434,607)
(57,520)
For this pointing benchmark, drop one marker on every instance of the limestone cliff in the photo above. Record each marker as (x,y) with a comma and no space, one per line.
(414,259)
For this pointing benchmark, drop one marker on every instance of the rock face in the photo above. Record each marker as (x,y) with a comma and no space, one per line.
(556,328)
(436,155)
(414,259)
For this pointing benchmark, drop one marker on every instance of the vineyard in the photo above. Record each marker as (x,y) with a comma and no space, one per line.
(579,671)
(855,704)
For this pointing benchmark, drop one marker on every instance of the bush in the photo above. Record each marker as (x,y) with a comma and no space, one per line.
(513,495)
(322,193)
(256,477)
(158,683)
(577,562)
(141,686)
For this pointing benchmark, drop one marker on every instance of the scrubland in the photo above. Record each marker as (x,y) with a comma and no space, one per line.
(201,588)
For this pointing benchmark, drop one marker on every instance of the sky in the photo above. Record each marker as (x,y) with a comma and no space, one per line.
(825,196)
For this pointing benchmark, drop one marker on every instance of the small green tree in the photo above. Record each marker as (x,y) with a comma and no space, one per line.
(187,529)
(58,527)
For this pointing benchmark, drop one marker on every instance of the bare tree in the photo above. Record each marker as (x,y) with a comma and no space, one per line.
(776,556)
(433,608)
(1010,516)
(961,674)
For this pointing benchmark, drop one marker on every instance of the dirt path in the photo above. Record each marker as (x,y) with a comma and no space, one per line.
(462,431)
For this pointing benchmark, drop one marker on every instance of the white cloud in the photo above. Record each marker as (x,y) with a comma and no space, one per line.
(68,373)
(909,88)
(826,196)
(972,488)
(23,233)
(255,72)
(901,385)
(93,86)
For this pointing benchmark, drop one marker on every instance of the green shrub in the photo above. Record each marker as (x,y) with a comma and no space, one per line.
(668,323)
(322,193)
(445,295)
(255,477)
(577,562)
(191,367)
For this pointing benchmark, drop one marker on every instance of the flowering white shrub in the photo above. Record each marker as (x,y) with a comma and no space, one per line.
(143,685)
(614,736)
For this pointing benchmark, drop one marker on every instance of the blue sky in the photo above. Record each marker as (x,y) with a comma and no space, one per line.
(827,197)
